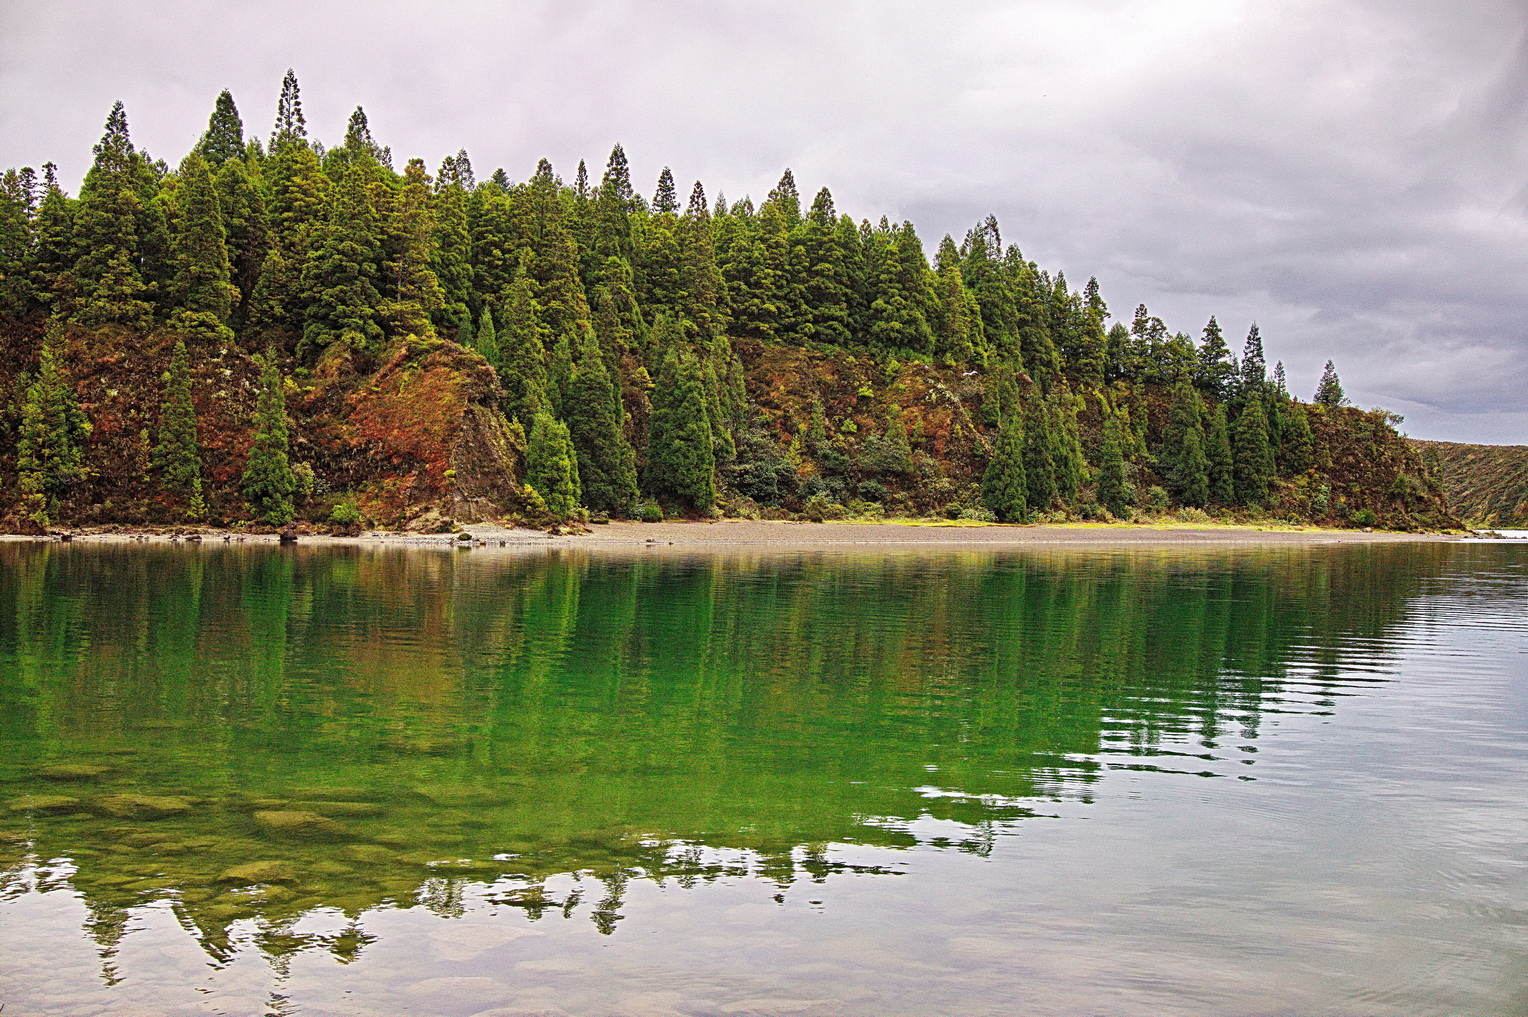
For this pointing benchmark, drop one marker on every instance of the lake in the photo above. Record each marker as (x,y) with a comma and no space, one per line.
(358,780)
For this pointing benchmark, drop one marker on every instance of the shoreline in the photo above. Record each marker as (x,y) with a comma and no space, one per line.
(733,533)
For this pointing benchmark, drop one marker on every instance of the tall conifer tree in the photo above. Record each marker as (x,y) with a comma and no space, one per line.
(268,482)
(341,278)
(1039,455)
(607,468)
(1005,485)
(224,138)
(111,287)
(551,468)
(1222,466)
(178,453)
(523,352)
(681,464)
(50,454)
(1252,454)
(1329,392)
(203,294)
(1113,487)
(486,340)
(247,232)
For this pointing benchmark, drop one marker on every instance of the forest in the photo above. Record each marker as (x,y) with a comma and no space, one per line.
(276,332)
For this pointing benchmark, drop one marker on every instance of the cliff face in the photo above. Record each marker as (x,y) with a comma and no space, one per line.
(1371,468)
(1486,484)
(416,442)
(416,439)
(1364,472)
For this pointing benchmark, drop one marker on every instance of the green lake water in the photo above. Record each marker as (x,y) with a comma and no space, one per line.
(239,780)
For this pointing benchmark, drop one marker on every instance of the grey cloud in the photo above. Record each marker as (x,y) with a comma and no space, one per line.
(1350,173)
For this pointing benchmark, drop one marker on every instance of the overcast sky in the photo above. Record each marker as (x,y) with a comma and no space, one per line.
(1351,174)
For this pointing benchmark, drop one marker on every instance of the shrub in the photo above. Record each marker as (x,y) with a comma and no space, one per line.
(345,518)
(1364,517)
(873,490)
(650,511)
(819,509)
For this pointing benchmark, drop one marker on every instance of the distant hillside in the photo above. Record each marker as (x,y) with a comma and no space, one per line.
(1486,484)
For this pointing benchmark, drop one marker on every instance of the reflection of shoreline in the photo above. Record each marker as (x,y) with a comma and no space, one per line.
(406,718)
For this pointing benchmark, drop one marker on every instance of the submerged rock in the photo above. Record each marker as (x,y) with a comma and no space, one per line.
(252,873)
(300,825)
(63,772)
(352,810)
(44,803)
(128,806)
(369,854)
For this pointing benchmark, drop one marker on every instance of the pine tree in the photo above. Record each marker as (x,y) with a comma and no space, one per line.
(1092,353)
(1192,477)
(178,454)
(224,139)
(607,468)
(50,263)
(523,353)
(612,210)
(701,280)
(1215,372)
(559,374)
(551,468)
(665,200)
(985,276)
(50,446)
(1222,467)
(1184,464)
(451,259)
(486,340)
(1005,486)
(1329,393)
(247,231)
(750,277)
(1113,488)
(268,481)
(340,279)
(17,206)
(496,233)
(785,268)
(111,287)
(1071,466)
(899,314)
(956,314)
(1001,396)
(1039,456)
(660,269)
(203,294)
(1252,454)
(411,250)
(787,197)
(1254,367)
(290,124)
(300,198)
(681,464)
(1034,295)
(828,281)
(1296,442)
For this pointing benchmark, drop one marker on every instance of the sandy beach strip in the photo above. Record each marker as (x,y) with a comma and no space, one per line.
(804,535)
